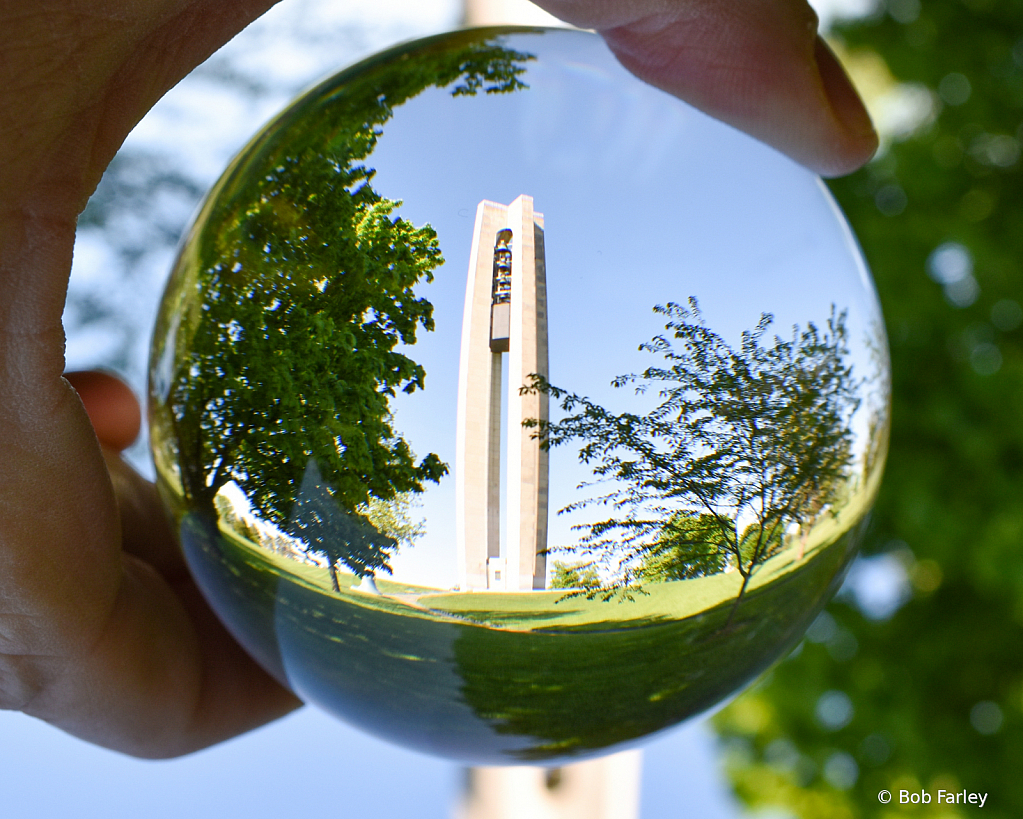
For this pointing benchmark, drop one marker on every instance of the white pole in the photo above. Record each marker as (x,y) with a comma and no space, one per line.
(507,12)
(604,788)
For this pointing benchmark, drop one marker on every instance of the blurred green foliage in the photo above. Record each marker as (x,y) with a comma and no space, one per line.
(931,697)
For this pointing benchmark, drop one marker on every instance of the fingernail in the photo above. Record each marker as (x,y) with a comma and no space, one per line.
(845,102)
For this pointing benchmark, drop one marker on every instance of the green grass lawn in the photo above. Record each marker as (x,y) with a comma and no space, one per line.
(550,610)
(554,610)
(594,675)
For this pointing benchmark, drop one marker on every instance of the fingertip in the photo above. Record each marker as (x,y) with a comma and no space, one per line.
(113,409)
(760,67)
(858,139)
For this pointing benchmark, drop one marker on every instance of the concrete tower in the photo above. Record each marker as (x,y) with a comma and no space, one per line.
(505,314)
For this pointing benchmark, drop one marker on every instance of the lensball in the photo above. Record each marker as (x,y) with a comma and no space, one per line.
(512,409)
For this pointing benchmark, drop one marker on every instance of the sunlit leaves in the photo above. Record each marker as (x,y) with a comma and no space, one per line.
(306,300)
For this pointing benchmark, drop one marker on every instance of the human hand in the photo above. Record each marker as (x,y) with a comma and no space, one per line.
(102,633)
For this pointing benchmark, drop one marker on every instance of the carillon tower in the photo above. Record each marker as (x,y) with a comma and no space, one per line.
(505,315)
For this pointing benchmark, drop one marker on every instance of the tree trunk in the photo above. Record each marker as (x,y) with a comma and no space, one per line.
(738,599)
(203,507)
(333,577)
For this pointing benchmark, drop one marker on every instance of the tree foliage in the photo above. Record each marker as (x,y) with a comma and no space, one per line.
(343,536)
(744,442)
(395,517)
(574,576)
(687,546)
(934,690)
(306,280)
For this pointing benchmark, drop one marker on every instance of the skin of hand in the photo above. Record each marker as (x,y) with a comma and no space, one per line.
(102,632)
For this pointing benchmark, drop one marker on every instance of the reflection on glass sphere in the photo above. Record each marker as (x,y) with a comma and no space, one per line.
(559,503)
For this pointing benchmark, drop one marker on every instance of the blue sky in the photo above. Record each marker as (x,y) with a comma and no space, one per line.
(645,201)
(304,765)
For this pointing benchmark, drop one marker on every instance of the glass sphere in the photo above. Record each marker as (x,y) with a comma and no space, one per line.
(512,409)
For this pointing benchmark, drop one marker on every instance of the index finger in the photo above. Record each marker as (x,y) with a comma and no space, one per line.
(759,65)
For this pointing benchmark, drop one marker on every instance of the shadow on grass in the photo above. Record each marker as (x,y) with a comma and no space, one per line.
(582,690)
(501,619)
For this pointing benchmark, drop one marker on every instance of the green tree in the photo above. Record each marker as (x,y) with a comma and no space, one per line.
(306,283)
(761,432)
(394,517)
(574,576)
(934,690)
(341,535)
(688,545)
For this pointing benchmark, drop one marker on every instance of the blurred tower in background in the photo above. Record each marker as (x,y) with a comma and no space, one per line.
(605,788)
(507,12)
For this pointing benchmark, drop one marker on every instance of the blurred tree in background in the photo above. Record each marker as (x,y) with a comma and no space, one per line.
(929,697)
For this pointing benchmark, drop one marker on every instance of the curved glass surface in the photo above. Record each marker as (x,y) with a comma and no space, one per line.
(512,409)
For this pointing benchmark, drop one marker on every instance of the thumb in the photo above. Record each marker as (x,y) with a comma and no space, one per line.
(112,407)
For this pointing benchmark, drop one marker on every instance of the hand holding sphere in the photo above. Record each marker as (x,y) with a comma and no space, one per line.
(104,634)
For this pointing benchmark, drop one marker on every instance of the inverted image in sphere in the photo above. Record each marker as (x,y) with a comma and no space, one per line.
(512,409)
